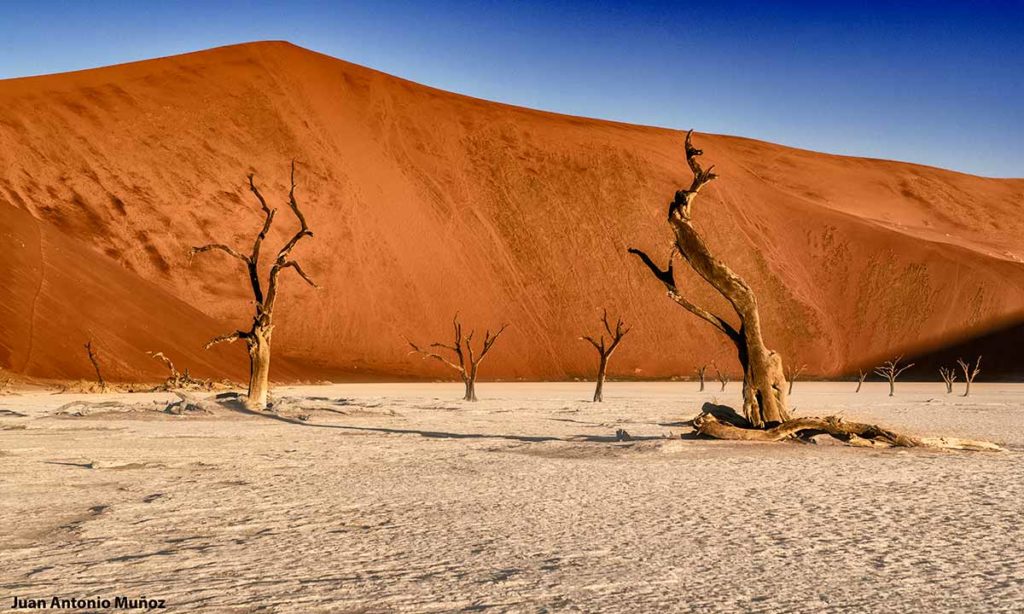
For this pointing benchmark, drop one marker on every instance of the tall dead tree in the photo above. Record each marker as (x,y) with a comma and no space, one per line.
(764,381)
(863,375)
(948,377)
(701,370)
(792,374)
(890,370)
(95,365)
(257,337)
(969,372)
(605,350)
(468,361)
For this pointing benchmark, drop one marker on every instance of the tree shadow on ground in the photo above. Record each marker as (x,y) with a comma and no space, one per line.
(237,404)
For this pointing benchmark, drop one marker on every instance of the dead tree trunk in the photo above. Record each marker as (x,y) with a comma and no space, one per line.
(948,377)
(701,370)
(969,372)
(95,365)
(860,380)
(257,337)
(723,379)
(765,402)
(890,370)
(792,374)
(468,361)
(605,351)
(764,382)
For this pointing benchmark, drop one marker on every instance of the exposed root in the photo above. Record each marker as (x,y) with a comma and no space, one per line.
(854,433)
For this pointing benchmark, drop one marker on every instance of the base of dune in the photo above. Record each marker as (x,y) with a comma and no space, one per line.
(403,498)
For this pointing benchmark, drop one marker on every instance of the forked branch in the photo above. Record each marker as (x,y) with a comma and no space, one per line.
(466,360)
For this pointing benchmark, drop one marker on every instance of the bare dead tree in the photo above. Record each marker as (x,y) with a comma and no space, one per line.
(468,361)
(969,372)
(95,365)
(793,373)
(948,377)
(765,402)
(723,378)
(257,337)
(701,370)
(605,350)
(890,370)
(764,382)
(860,380)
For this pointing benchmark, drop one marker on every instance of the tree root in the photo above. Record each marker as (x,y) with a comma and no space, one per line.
(854,433)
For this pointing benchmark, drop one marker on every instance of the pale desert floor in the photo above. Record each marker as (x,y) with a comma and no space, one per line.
(410,500)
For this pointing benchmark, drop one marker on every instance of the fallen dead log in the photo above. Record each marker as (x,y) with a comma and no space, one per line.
(854,433)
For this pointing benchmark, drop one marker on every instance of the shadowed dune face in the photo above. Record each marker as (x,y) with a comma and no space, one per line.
(425,203)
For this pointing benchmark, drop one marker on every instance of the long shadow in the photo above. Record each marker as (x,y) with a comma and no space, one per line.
(1000,348)
(236,405)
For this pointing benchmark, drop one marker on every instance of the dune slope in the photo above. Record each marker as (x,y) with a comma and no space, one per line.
(425,203)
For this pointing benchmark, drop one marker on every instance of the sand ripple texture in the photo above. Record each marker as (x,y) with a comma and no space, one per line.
(402,498)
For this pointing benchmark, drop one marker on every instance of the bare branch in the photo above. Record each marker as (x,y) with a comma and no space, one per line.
(298,269)
(489,342)
(218,246)
(666,277)
(228,338)
(428,354)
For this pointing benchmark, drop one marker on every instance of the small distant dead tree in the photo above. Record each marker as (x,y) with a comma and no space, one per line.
(792,373)
(95,365)
(605,350)
(860,379)
(468,361)
(723,378)
(969,372)
(257,337)
(765,406)
(948,377)
(890,370)
(701,370)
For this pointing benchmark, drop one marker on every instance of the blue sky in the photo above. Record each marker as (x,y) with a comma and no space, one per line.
(937,83)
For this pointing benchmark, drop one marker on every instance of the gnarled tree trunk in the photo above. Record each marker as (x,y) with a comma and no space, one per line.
(257,338)
(602,371)
(764,380)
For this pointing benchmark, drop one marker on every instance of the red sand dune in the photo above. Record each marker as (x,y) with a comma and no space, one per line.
(425,202)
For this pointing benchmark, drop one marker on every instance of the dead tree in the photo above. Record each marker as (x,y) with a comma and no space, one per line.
(605,350)
(468,361)
(178,379)
(257,336)
(764,382)
(95,365)
(723,378)
(948,377)
(701,370)
(792,374)
(890,370)
(765,402)
(860,380)
(969,372)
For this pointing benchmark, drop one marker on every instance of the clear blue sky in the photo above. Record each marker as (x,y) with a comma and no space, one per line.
(937,83)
